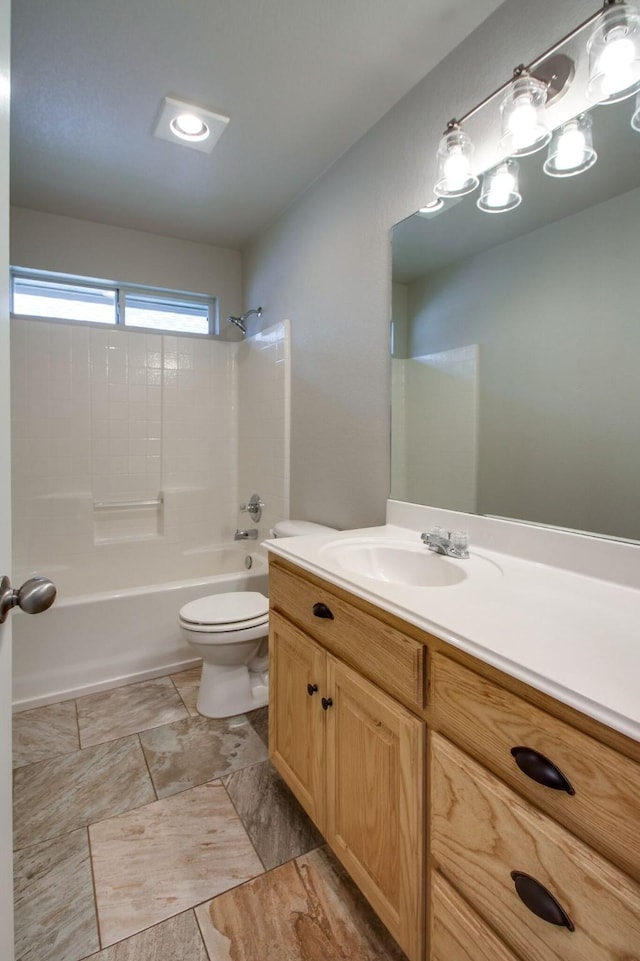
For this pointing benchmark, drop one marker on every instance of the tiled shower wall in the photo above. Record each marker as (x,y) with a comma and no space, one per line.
(264,412)
(104,416)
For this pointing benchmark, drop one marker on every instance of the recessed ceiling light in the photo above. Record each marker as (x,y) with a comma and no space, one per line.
(191,126)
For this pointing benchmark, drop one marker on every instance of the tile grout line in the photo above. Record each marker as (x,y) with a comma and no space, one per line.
(195,917)
(179,693)
(153,783)
(75,704)
(232,803)
(95,892)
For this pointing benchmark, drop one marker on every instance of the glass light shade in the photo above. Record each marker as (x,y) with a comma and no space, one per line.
(524,128)
(455,177)
(635,120)
(614,55)
(500,189)
(571,149)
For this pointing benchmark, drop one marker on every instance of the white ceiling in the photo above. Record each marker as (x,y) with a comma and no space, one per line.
(302,80)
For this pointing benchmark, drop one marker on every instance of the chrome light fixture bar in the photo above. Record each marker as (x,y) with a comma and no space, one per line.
(614,52)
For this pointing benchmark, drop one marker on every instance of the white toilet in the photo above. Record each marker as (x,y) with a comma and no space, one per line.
(230,633)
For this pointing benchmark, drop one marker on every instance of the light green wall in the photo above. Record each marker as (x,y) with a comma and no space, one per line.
(325,264)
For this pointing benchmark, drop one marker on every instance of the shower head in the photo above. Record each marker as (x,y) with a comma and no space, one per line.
(239,321)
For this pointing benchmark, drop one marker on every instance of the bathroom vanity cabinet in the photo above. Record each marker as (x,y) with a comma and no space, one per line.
(480,817)
(352,754)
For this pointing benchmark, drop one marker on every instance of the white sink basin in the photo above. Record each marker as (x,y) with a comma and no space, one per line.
(401,563)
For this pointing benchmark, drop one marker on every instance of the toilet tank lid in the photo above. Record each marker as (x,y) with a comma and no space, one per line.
(296,528)
(230,608)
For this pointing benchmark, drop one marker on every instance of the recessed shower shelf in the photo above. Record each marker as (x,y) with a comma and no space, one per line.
(126,521)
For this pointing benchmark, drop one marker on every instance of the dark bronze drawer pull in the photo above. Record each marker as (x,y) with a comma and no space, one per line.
(540,901)
(311,689)
(321,610)
(539,768)
(326,703)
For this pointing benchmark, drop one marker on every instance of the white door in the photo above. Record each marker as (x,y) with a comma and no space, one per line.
(6,847)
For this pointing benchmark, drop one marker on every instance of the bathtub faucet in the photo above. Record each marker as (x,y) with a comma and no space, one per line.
(249,535)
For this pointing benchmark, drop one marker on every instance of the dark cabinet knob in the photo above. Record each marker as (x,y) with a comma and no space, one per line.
(539,768)
(326,703)
(540,901)
(311,689)
(321,610)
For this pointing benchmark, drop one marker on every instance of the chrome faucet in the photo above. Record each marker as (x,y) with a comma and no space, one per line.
(450,543)
(249,535)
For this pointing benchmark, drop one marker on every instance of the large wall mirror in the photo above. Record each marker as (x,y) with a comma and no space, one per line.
(516,347)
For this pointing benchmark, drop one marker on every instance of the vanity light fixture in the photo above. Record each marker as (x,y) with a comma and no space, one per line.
(500,188)
(184,123)
(635,120)
(571,150)
(614,73)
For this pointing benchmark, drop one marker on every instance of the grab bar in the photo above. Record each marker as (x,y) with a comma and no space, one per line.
(125,505)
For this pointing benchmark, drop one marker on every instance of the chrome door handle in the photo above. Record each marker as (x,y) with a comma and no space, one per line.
(36,595)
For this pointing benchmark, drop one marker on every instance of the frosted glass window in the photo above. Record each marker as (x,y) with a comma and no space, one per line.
(182,317)
(45,298)
(54,297)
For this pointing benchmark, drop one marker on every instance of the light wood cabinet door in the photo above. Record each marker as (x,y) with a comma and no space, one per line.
(296,722)
(375,763)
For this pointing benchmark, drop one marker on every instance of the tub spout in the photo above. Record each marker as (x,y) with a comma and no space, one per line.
(249,535)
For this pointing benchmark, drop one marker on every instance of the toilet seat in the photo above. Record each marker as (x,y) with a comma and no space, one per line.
(217,613)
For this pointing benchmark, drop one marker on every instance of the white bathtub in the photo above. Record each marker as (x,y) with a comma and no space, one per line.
(91,642)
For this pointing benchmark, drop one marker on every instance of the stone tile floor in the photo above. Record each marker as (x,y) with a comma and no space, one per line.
(145,832)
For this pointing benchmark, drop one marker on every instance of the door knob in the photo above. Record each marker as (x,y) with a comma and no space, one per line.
(36,595)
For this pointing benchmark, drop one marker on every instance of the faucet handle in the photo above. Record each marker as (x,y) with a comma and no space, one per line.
(460,541)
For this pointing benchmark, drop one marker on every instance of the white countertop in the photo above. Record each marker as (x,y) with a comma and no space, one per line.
(573,636)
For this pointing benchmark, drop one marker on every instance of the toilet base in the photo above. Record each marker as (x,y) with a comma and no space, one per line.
(229,690)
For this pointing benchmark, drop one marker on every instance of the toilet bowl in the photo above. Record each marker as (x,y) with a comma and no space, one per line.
(230,633)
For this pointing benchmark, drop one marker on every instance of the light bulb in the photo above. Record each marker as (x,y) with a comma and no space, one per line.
(456,169)
(188,126)
(570,148)
(500,191)
(522,123)
(501,187)
(616,62)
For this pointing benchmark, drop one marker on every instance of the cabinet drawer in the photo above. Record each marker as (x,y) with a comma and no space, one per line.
(489,721)
(482,832)
(457,933)
(381,653)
